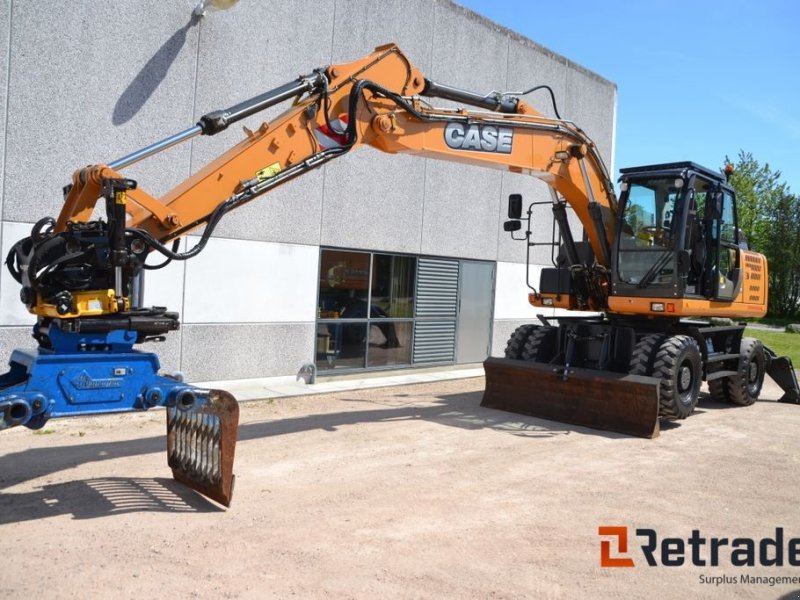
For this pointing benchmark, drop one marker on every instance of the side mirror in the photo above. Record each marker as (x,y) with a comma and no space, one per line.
(512,226)
(514,207)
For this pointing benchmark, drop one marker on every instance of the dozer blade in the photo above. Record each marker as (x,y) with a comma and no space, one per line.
(598,399)
(201,442)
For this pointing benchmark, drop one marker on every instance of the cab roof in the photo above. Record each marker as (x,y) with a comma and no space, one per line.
(675,167)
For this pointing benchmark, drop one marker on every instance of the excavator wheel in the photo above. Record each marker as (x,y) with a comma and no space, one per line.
(678,365)
(644,354)
(718,390)
(541,345)
(516,343)
(743,388)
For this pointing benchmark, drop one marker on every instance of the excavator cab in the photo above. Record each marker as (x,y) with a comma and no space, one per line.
(677,235)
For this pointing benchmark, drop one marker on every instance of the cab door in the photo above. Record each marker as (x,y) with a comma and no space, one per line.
(724,277)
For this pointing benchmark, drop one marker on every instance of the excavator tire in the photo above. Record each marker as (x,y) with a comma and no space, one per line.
(644,354)
(540,346)
(516,343)
(743,388)
(678,365)
(718,390)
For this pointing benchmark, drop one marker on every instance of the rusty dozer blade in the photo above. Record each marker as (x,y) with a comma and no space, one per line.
(598,399)
(201,442)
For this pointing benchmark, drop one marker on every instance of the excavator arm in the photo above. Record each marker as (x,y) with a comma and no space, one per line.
(371,102)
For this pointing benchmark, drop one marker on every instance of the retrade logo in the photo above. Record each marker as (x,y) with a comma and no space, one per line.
(777,550)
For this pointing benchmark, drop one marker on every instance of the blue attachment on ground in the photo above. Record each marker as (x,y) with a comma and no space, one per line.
(85,374)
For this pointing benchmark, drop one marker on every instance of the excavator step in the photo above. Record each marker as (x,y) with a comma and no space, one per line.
(201,443)
(604,400)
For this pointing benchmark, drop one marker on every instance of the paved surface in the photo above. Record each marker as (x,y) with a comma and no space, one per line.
(411,491)
(286,387)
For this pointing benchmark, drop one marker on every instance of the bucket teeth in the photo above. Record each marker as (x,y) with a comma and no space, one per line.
(201,442)
(598,399)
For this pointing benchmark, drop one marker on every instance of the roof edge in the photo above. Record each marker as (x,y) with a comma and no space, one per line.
(518,37)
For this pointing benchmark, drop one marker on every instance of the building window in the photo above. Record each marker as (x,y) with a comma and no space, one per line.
(365,310)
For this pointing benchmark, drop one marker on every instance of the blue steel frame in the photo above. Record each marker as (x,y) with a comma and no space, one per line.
(85,374)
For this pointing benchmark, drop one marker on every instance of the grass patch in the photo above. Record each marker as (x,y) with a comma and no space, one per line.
(783,344)
(779,321)
(43,431)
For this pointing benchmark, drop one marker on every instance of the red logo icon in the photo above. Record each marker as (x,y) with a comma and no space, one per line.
(606,560)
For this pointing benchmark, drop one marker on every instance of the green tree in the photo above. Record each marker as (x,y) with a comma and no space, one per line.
(769,216)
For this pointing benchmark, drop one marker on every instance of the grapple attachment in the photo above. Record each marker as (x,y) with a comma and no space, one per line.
(201,442)
(598,399)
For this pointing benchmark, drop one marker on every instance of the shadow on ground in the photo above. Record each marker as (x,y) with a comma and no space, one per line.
(454,410)
(101,497)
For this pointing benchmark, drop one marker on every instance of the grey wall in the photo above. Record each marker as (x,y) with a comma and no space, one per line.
(90,81)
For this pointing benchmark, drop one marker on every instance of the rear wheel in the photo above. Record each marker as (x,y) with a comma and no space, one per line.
(541,345)
(516,343)
(678,365)
(744,387)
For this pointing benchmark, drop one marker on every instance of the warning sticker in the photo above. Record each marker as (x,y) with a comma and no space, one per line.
(269,171)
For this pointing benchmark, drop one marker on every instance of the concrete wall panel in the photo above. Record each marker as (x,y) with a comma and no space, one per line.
(469,51)
(82,93)
(374,201)
(213,352)
(359,27)
(164,287)
(169,351)
(5,30)
(462,204)
(12,311)
(12,338)
(590,104)
(530,65)
(501,331)
(511,293)
(239,281)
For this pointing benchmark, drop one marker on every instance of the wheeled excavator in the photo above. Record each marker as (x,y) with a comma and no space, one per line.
(666,250)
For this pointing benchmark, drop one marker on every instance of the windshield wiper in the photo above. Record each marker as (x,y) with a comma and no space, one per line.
(660,263)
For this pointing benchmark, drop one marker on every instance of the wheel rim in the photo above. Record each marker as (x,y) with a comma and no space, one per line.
(685,382)
(754,378)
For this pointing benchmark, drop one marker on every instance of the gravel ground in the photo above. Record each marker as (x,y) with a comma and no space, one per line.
(412,492)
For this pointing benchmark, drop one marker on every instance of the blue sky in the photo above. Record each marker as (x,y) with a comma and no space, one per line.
(695,80)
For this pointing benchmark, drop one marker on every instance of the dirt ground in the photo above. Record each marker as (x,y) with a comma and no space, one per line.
(409,492)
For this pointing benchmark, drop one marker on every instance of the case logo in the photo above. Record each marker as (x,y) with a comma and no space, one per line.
(481,138)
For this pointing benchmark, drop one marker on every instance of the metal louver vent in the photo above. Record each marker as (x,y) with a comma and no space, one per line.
(436,310)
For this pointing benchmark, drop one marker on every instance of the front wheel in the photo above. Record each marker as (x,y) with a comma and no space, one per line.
(678,365)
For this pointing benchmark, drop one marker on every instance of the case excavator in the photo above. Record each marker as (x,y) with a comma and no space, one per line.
(646,266)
